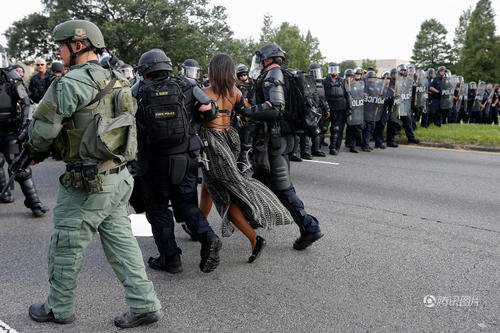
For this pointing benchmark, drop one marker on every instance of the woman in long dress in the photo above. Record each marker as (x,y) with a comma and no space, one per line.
(246,202)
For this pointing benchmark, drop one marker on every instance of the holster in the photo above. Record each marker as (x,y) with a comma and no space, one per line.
(82,175)
(177,168)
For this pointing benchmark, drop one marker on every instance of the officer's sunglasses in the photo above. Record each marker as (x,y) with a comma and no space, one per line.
(40,64)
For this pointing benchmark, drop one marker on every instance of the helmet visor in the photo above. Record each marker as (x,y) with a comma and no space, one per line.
(4,61)
(255,69)
(192,72)
(333,69)
(316,73)
(128,72)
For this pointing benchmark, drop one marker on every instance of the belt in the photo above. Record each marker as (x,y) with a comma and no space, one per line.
(114,170)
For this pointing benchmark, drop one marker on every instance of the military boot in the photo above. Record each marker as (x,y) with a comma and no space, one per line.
(171,264)
(37,313)
(210,247)
(131,319)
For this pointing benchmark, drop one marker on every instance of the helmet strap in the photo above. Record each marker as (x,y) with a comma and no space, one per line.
(74,55)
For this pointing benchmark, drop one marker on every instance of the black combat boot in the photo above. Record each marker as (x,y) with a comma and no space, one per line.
(306,239)
(37,313)
(130,319)
(7,197)
(210,247)
(171,264)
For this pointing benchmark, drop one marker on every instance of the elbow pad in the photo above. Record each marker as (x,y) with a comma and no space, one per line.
(274,83)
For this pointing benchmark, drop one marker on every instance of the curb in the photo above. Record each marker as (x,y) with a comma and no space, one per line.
(450,146)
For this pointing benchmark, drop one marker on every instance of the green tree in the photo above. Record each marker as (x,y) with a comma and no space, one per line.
(312,49)
(459,39)
(369,62)
(346,64)
(183,28)
(301,50)
(430,48)
(268,32)
(481,50)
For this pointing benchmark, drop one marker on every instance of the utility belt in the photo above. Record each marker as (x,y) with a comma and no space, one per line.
(85,175)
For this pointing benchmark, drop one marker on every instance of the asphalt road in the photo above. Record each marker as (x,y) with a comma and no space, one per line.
(399,224)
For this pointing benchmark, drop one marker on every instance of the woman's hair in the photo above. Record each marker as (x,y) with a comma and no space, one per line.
(222,75)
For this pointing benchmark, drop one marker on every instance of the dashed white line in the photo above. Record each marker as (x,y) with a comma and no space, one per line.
(4,328)
(322,162)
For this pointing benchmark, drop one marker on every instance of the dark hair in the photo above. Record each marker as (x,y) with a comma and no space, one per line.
(221,75)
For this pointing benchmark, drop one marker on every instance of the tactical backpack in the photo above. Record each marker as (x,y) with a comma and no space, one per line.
(7,106)
(303,109)
(164,114)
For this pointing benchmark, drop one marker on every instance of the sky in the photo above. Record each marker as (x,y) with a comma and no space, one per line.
(352,29)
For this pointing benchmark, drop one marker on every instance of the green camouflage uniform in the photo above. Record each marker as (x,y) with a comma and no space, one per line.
(61,123)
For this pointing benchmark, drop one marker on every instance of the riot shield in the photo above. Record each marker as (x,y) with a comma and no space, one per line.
(463,91)
(487,106)
(374,98)
(356,92)
(481,90)
(447,92)
(421,89)
(402,100)
(254,68)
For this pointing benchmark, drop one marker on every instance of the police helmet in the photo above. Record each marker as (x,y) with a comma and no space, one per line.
(371,74)
(191,69)
(385,75)
(241,69)
(460,79)
(333,68)
(472,85)
(402,67)
(358,70)
(441,68)
(348,72)
(79,30)
(57,67)
(153,61)
(394,71)
(315,71)
(272,50)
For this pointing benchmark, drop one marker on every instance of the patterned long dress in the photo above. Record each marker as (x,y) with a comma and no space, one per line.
(226,185)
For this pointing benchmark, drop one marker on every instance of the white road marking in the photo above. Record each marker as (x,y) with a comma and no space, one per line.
(322,162)
(4,328)
(140,226)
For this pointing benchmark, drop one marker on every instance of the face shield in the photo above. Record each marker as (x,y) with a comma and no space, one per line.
(333,69)
(128,72)
(316,73)
(255,69)
(4,61)
(192,72)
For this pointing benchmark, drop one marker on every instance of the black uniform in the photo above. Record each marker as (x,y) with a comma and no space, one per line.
(169,172)
(14,111)
(246,132)
(435,99)
(272,149)
(338,100)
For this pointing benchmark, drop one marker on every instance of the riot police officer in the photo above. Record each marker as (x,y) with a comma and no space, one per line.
(403,118)
(277,141)
(168,157)
(338,101)
(191,69)
(355,121)
(383,111)
(95,189)
(435,90)
(15,106)
(318,138)
(246,131)
(128,72)
(427,114)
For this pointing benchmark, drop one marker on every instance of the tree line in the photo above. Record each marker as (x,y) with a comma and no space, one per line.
(192,29)
(475,52)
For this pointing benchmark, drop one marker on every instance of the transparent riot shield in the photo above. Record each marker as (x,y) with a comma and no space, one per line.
(481,90)
(421,89)
(448,91)
(374,98)
(356,92)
